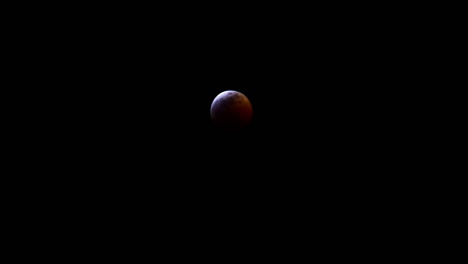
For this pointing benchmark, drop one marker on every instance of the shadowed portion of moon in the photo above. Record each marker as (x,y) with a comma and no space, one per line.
(231,110)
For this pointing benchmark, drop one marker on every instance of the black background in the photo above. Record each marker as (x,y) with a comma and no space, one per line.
(142,83)
(130,92)
(126,126)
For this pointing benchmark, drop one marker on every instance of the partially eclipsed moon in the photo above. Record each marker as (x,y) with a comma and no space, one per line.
(231,109)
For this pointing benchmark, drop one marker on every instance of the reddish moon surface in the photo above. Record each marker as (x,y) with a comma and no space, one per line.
(231,109)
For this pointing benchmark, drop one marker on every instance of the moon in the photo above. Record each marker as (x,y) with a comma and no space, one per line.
(231,110)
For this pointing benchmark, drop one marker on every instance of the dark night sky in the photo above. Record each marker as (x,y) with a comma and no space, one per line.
(130,111)
(139,86)
(122,152)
